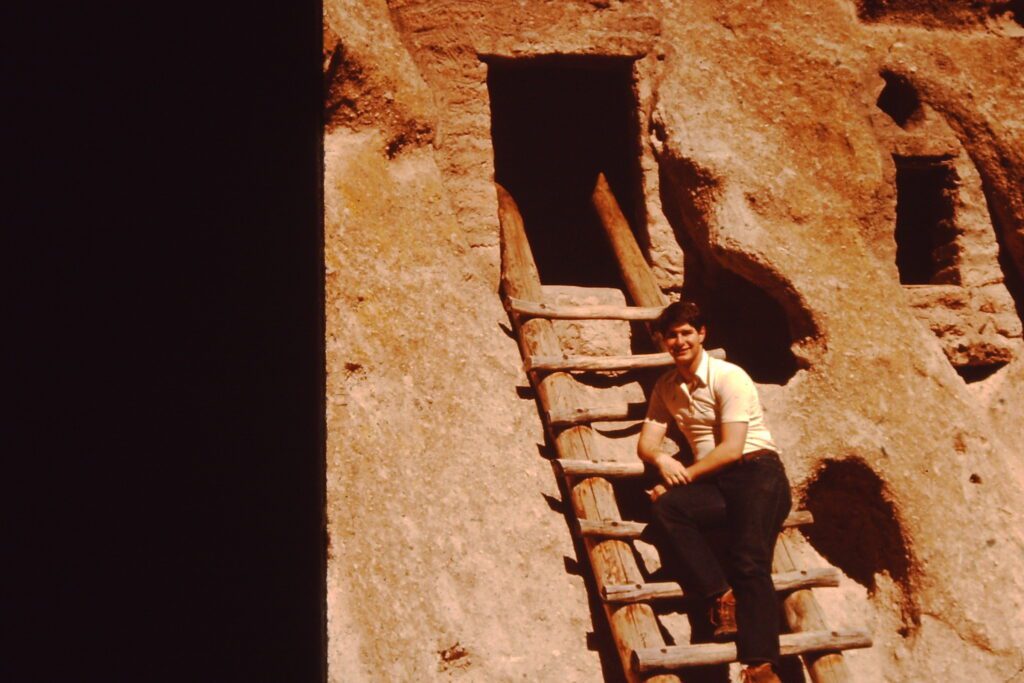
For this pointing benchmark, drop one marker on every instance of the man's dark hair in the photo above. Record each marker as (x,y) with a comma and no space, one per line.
(679,313)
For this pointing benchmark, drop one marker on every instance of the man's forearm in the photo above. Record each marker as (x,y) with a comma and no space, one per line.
(651,455)
(721,456)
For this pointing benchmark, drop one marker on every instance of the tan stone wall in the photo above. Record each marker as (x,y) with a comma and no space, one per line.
(762,149)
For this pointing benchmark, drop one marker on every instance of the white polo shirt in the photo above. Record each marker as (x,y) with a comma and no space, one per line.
(722,392)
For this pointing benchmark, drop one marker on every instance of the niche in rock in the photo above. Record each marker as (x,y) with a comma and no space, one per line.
(755,319)
(857,529)
(855,526)
(748,323)
(556,122)
(926,249)
(900,101)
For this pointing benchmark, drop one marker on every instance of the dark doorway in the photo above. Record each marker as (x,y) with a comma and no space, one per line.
(926,250)
(556,122)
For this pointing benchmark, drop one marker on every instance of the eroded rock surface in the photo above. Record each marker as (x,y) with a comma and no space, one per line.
(777,151)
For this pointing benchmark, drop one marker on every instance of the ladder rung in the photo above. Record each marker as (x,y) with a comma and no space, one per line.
(680,656)
(595,468)
(814,577)
(533,309)
(597,363)
(613,528)
(621,411)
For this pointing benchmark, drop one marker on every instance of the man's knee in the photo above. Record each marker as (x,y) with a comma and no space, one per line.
(688,504)
(664,508)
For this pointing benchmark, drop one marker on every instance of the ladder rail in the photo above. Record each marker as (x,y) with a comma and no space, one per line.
(611,528)
(537,309)
(633,626)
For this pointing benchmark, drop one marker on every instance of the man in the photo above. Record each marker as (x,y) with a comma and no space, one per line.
(736,480)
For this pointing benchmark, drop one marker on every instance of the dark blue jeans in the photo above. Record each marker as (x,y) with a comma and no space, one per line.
(750,499)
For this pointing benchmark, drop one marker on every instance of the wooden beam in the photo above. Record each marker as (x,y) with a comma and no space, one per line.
(635,271)
(595,468)
(614,413)
(632,626)
(803,613)
(597,363)
(610,528)
(626,529)
(670,590)
(532,309)
(679,656)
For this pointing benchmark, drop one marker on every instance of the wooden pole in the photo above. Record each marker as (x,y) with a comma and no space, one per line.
(679,656)
(615,413)
(611,469)
(635,271)
(624,529)
(632,626)
(803,613)
(637,361)
(670,590)
(533,309)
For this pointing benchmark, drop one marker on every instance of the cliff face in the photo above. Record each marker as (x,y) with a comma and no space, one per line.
(840,183)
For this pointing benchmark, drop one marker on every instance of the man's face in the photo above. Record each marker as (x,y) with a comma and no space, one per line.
(683,343)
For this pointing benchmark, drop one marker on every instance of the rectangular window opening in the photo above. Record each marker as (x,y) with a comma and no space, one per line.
(927,252)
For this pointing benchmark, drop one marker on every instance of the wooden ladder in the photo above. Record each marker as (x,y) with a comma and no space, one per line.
(625,596)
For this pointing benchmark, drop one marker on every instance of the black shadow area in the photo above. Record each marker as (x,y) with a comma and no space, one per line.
(556,122)
(165,299)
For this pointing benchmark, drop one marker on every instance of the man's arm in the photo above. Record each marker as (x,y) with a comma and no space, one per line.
(648,448)
(728,451)
(735,401)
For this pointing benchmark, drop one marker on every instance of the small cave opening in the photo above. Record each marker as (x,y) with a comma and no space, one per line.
(755,322)
(926,249)
(556,122)
(978,373)
(900,101)
(855,525)
(748,323)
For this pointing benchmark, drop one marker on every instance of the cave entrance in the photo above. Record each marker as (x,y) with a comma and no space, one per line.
(926,249)
(756,316)
(748,323)
(556,122)
(857,528)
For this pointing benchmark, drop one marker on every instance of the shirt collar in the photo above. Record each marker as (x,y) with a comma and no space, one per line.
(702,368)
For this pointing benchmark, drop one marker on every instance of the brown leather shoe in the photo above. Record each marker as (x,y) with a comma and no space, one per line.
(723,616)
(762,673)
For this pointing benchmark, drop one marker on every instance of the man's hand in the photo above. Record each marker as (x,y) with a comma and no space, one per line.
(672,471)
